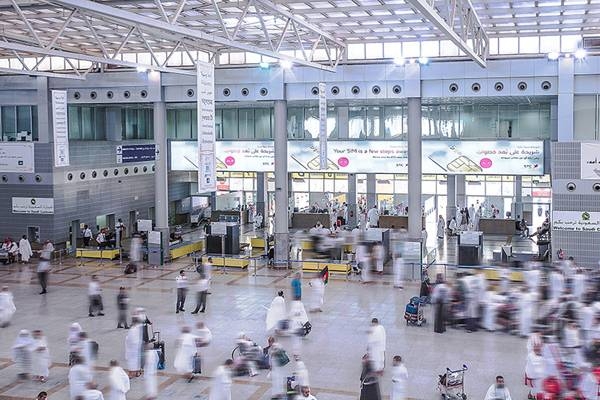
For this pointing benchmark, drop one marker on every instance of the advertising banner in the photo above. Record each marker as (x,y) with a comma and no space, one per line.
(17,157)
(136,153)
(439,157)
(32,205)
(205,156)
(60,126)
(577,221)
(590,160)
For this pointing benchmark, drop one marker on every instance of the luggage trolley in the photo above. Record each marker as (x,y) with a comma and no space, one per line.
(452,384)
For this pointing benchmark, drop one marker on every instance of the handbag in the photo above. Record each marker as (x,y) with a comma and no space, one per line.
(281,358)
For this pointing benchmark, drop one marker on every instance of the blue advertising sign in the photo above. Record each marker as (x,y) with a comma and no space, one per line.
(136,153)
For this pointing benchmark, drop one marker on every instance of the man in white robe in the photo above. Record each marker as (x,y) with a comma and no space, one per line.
(379,257)
(133,348)
(220,387)
(318,295)
(276,313)
(92,392)
(588,383)
(363,258)
(376,343)
(40,357)
(118,382)
(526,312)
(300,373)
(453,227)
(7,307)
(441,227)
(399,379)
(373,217)
(557,284)
(535,371)
(472,212)
(21,351)
(298,318)
(150,368)
(186,350)
(86,351)
(579,289)
(398,267)
(79,376)
(498,391)
(25,249)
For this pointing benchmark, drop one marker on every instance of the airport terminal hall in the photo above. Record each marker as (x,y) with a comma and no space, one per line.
(299,199)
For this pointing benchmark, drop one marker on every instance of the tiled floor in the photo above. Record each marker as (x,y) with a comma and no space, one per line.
(332,351)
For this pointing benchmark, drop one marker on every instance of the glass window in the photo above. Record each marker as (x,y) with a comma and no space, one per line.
(263,128)
(384,184)
(430,49)
(341,185)
(171,124)
(87,123)
(218,123)
(356,51)
(585,110)
(184,124)
(529,44)
(392,50)
(9,122)
(311,123)
(374,50)
(329,183)
(493,189)
(373,122)
(246,123)
(194,121)
(24,119)
(361,183)
(549,44)
(356,122)
(295,125)
(411,49)
(316,184)
(394,122)
(230,123)
(508,45)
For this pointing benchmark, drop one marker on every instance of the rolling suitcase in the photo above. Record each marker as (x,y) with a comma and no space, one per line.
(197,364)
(160,346)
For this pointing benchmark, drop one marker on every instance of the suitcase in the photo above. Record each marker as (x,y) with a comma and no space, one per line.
(130,268)
(160,346)
(197,364)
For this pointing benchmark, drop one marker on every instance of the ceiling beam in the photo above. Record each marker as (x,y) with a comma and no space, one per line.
(40,73)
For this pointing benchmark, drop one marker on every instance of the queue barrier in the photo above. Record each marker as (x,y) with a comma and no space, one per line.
(234,262)
(259,243)
(106,254)
(344,268)
(494,275)
(185,249)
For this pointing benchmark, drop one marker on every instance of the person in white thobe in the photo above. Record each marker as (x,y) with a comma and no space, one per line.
(278,373)
(318,295)
(92,392)
(186,349)
(300,373)
(376,343)
(25,249)
(498,391)
(150,369)
(586,321)
(588,384)
(526,312)
(134,347)
(453,226)
(579,285)
(379,256)
(87,352)
(491,304)
(399,379)
(40,357)
(21,351)
(535,370)
(118,382)
(471,212)
(276,312)
(298,317)
(362,257)
(504,275)
(373,217)
(7,307)
(398,267)
(79,376)
(476,219)
(441,227)
(557,284)
(220,386)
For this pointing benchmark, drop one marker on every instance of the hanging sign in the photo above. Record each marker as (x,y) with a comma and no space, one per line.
(60,128)
(590,160)
(207,174)
(322,127)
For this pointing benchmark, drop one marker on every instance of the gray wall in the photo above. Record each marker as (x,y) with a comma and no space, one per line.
(583,246)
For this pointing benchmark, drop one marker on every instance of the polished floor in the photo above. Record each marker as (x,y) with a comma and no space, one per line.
(238,302)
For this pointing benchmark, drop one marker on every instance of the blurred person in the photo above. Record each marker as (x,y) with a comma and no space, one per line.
(373,217)
(440,297)
(535,371)
(527,301)
(220,386)
(471,212)
(87,236)
(297,286)
(43,267)
(203,334)
(318,288)
(21,350)
(185,352)
(300,374)
(364,261)
(151,359)
(399,379)
(376,344)
(120,232)
(135,249)
(7,307)
(498,391)
(571,339)
(91,392)
(40,357)
(95,297)
(207,269)
(424,237)
(531,275)
(586,321)
(504,275)
(74,341)
(557,284)
(101,239)
(42,396)
(379,257)
(588,382)
(201,291)
(25,249)
(79,376)
(398,267)
(276,314)
(369,381)
(579,284)
(441,227)
(248,350)
(305,393)
(122,307)
(142,317)
(88,351)
(182,284)
(476,219)
(472,303)
(278,374)
(13,251)
(118,382)
(258,221)
(298,319)
(453,227)
(134,345)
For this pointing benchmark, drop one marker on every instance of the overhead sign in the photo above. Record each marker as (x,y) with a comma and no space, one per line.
(60,127)
(577,221)
(205,156)
(501,157)
(32,205)
(590,160)
(17,157)
(136,153)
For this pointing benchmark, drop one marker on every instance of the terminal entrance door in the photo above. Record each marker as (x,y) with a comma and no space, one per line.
(74,233)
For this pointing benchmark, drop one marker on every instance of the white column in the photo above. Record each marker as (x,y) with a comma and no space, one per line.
(451,197)
(461,191)
(566,85)
(518,197)
(371,191)
(281,182)
(414,167)
(351,201)
(161,188)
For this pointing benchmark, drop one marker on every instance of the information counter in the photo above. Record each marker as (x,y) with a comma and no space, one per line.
(308,220)
(397,221)
(491,226)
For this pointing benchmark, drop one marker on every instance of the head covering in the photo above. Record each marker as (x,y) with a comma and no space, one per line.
(74,331)
(24,339)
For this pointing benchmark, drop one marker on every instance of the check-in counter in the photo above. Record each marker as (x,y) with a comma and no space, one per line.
(497,226)
(397,221)
(308,220)
(239,216)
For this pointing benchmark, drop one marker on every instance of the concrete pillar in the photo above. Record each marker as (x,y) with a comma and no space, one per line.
(261,194)
(566,87)
(414,167)
(451,197)
(351,201)
(518,197)
(161,193)
(281,182)
(371,190)
(44,111)
(461,190)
